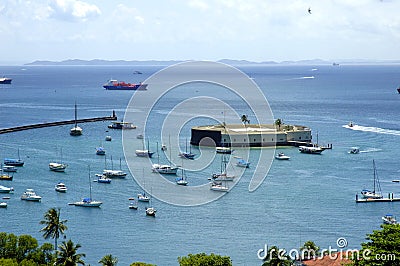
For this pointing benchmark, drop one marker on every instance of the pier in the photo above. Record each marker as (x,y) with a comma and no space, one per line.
(59,123)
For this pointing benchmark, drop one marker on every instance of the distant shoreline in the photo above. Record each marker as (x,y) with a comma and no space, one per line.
(99,62)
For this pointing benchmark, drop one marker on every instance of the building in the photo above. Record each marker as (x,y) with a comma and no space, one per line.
(253,135)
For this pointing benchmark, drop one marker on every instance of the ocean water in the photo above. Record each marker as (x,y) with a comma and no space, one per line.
(310,197)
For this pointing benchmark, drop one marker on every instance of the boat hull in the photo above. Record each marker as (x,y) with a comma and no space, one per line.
(5,81)
(126,87)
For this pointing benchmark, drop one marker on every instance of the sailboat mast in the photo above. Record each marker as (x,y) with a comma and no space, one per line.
(76,115)
(373,162)
(90,186)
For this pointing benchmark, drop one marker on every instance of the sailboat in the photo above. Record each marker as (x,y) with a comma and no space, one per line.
(182,180)
(88,202)
(223,176)
(187,155)
(14,162)
(100,150)
(150,211)
(58,166)
(144,152)
(165,169)
(113,173)
(376,193)
(142,196)
(76,130)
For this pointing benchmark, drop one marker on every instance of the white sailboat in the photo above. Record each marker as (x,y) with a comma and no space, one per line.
(76,130)
(111,173)
(58,166)
(142,196)
(376,193)
(223,175)
(165,169)
(151,211)
(88,202)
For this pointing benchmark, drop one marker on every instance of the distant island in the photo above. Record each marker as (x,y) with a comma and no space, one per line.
(99,62)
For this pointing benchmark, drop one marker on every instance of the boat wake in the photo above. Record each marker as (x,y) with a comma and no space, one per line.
(370,150)
(374,130)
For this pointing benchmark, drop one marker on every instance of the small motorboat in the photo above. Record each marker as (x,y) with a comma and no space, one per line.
(242,163)
(61,187)
(30,195)
(281,156)
(143,197)
(218,186)
(132,204)
(223,150)
(150,211)
(57,167)
(3,204)
(102,179)
(100,151)
(389,219)
(108,138)
(9,168)
(4,189)
(144,153)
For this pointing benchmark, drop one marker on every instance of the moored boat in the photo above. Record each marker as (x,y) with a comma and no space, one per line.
(3,204)
(60,187)
(121,125)
(113,84)
(311,149)
(102,179)
(164,169)
(57,167)
(5,80)
(223,150)
(100,151)
(376,193)
(151,211)
(144,153)
(76,130)
(9,169)
(30,195)
(218,186)
(4,189)
(143,197)
(281,156)
(242,163)
(88,202)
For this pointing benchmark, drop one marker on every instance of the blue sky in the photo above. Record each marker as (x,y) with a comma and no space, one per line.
(256,30)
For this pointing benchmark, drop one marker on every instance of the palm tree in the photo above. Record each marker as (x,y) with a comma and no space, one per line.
(245,120)
(54,227)
(309,250)
(109,260)
(278,122)
(67,255)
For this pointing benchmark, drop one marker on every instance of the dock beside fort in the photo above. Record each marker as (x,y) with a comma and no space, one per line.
(59,123)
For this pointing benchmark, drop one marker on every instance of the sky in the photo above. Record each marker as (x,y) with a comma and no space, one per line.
(254,30)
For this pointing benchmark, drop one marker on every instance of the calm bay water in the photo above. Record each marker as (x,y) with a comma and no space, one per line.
(306,198)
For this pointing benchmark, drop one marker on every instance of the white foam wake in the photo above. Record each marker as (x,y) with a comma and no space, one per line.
(374,130)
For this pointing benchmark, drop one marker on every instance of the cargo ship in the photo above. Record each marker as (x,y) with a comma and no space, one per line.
(113,84)
(5,80)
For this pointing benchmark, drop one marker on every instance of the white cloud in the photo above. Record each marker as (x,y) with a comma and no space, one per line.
(72,10)
(198,4)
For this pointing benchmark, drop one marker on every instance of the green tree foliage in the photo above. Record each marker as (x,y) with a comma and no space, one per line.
(203,259)
(24,250)
(141,264)
(382,247)
(54,227)
(276,257)
(278,122)
(108,260)
(68,256)
(8,262)
(309,250)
